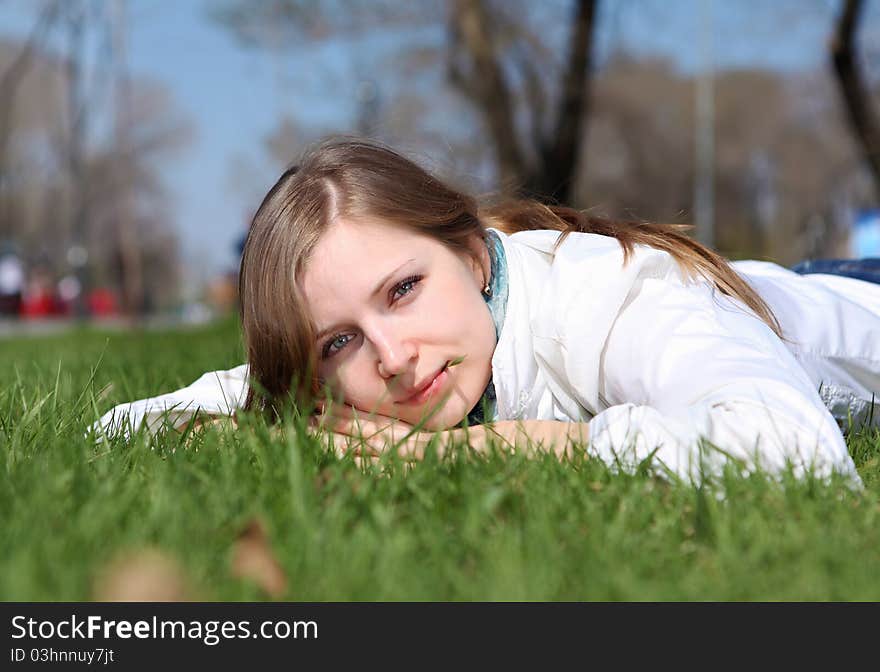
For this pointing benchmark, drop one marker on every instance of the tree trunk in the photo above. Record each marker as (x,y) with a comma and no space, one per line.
(558,166)
(127,236)
(550,176)
(9,81)
(76,140)
(862,117)
(485,85)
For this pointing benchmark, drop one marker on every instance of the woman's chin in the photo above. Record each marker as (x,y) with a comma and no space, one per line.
(440,419)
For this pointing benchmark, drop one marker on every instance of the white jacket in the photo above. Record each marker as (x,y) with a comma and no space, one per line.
(661,367)
(657,363)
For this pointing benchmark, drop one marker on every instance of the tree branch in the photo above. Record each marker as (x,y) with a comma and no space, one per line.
(488,87)
(535,96)
(16,70)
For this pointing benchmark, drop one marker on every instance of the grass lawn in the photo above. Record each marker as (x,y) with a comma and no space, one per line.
(81,521)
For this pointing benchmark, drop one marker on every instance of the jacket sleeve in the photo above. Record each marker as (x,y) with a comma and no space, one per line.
(216,393)
(691,379)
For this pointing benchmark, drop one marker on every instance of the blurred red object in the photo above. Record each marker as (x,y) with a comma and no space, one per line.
(40,303)
(102,302)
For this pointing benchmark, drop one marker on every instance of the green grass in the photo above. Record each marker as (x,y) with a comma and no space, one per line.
(461,528)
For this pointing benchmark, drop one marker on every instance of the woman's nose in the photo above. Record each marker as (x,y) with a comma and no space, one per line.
(394,353)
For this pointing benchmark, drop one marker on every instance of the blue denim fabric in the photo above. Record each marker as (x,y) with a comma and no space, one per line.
(861,269)
(497,302)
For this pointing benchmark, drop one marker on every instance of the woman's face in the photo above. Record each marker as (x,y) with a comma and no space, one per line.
(393,308)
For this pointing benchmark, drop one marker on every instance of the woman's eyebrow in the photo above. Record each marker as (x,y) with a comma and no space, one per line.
(378,289)
(385,280)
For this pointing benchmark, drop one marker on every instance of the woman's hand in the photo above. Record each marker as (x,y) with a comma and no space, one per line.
(532,437)
(369,435)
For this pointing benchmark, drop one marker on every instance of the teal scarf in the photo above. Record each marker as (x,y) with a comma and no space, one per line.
(485,409)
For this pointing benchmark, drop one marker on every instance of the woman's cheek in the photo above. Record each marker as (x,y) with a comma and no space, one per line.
(347,382)
(438,307)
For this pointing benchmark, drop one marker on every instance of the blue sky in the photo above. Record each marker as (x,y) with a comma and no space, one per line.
(233,97)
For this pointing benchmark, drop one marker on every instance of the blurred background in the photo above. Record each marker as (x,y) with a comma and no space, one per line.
(137,137)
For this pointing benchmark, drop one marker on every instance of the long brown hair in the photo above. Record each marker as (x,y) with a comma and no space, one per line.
(358,179)
(695,260)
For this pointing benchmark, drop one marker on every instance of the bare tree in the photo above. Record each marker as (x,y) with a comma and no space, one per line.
(68,181)
(490,59)
(774,198)
(546,165)
(9,82)
(863,119)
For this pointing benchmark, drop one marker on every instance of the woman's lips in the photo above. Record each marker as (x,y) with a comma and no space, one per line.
(431,389)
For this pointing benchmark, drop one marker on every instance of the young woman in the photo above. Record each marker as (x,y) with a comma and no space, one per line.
(367,281)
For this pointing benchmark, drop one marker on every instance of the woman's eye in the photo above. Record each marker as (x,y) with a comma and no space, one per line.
(405,287)
(336,344)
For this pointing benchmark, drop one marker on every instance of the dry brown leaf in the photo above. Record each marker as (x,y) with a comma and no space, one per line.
(253,559)
(146,575)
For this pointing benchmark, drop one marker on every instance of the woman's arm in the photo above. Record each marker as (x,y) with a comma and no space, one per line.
(693,381)
(216,393)
(372,435)
(536,436)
